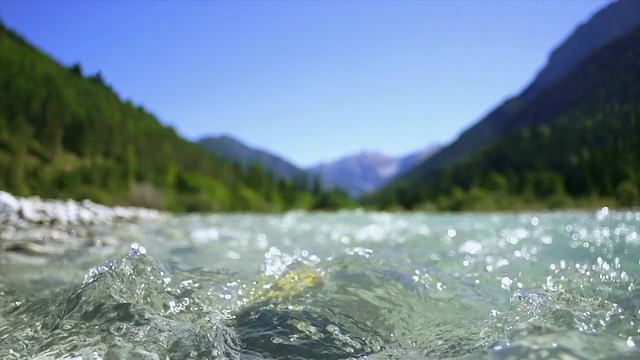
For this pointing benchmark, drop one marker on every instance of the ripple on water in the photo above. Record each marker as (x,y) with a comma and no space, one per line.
(500,286)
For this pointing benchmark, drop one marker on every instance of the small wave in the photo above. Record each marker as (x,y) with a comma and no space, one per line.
(357,302)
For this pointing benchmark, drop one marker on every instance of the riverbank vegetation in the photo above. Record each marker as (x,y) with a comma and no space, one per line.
(66,134)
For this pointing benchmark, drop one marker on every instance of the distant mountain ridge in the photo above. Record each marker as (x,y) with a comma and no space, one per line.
(232,149)
(609,23)
(354,174)
(367,171)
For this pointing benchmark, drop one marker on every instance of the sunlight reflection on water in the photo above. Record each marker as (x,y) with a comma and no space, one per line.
(545,285)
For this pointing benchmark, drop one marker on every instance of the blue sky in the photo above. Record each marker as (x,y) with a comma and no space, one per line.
(309,81)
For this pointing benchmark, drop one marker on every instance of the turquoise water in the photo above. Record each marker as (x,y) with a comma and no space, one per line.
(332,286)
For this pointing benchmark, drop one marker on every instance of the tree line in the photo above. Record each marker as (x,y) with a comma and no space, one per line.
(64,134)
(577,144)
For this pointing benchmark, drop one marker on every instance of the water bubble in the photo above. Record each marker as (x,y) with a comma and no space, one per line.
(118,329)
(602,213)
(201,236)
(232,255)
(502,262)
(630,342)
(506,282)
(262,241)
(470,247)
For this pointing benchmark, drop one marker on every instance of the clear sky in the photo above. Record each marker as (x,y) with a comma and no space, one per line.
(308,80)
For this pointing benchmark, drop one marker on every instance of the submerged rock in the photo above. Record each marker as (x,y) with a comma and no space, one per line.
(283,333)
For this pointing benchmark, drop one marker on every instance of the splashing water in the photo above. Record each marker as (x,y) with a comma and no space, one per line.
(335,286)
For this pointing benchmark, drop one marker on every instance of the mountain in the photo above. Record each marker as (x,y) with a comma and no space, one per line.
(609,23)
(64,134)
(366,171)
(576,143)
(355,174)
(233,150)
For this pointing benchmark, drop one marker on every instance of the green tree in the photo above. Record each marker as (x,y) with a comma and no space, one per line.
(627,194)
(76,69)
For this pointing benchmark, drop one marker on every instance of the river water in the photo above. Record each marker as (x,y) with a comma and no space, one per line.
(334,286)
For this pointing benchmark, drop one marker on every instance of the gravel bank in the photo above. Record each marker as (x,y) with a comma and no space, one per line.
(51,227)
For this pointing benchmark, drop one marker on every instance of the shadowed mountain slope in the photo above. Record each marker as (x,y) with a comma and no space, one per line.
(577,139)
(609,23)
(231,149)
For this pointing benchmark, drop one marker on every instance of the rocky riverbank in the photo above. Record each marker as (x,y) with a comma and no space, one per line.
(50,227)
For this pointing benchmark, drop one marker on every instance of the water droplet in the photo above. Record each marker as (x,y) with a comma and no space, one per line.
(630,342)
(470,247)
(506,283)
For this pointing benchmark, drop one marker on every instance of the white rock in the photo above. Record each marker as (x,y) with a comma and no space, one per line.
(48,212)
(57,212)
(72,211)
(8,203)
(29,210)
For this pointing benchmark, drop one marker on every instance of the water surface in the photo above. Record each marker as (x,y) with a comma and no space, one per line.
(335,285)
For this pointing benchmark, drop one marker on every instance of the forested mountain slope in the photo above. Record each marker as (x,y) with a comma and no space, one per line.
(577,143)
(63,134)
(231,149)
(611,22)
